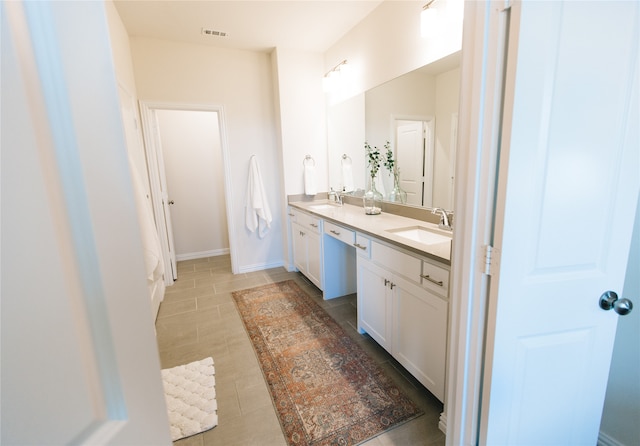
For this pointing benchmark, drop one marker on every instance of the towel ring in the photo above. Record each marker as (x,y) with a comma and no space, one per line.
(346,157)
(308,158)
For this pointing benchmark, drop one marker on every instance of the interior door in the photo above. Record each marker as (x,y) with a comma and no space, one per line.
(410,154)
(79,357)
(160,195)
(568,186)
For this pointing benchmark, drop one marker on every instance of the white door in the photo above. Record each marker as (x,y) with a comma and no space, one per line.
(160,193)
(568,187)
(412,158)
(79,358)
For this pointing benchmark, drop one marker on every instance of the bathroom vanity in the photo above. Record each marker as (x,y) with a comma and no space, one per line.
(399,268)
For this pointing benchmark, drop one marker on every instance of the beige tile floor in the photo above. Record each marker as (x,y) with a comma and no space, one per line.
(198,318)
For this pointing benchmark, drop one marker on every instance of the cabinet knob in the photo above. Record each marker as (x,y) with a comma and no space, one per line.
(358,245)
(391,285)
(334,232)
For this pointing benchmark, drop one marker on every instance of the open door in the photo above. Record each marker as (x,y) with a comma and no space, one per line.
(79,357)
(567,191)
(159,192)
(550,89)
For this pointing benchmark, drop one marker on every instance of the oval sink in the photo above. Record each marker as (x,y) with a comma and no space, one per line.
(420,234)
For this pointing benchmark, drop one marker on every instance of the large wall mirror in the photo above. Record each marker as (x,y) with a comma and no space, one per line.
(417,113)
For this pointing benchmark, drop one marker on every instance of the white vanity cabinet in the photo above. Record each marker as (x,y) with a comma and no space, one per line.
(374,302)
(403,314)
(306,232)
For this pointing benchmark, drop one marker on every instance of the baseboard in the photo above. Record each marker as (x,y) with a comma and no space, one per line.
(442,424)
(607,440)
(202,254)
(259,267)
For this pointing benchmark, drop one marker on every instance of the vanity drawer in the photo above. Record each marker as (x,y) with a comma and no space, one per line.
(347,236)
(293,215)
(307,221)
(314,223)
(363,245)
(396,261)
(435,278)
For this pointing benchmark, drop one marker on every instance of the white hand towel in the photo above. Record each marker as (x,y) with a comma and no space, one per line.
(347,178)
(257,211)
(310,187)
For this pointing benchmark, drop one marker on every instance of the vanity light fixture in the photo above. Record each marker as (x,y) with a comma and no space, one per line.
(332,76)
(428,19)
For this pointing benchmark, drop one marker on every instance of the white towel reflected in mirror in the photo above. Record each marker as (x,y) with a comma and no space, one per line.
(347,178)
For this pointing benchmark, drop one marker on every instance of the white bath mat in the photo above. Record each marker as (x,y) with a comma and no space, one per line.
(191,398)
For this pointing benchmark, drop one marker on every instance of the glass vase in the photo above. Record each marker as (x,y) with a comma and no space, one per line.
(397,194)
(372,200)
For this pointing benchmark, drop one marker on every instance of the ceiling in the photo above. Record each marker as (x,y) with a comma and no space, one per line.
(311,25)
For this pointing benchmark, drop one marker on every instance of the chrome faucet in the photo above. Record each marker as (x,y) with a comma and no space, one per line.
(444,219)
(335,197)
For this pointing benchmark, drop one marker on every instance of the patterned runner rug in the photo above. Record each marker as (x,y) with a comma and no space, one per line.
(325,388)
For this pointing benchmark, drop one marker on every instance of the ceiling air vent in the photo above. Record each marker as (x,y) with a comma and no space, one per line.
(213,32)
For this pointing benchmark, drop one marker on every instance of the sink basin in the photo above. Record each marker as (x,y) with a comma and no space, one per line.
(323,206)
(421,234)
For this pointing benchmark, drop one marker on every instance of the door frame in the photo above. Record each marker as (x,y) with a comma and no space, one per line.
(479,132)
(153,151)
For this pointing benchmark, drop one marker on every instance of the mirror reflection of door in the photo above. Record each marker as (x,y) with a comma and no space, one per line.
(414,152)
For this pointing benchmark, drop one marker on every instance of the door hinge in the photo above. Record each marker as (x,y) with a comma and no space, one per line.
(491,260)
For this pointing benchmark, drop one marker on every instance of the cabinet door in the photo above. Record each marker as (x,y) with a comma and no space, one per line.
(374,315)
(299,248)
(420,334)
(314,258)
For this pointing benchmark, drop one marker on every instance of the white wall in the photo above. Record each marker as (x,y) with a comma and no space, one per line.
(302,117)
(240,81)
(622,403)
(388,43)
(192,156)
(301,125)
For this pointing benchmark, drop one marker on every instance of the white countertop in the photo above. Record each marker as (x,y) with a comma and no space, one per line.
(379,225)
